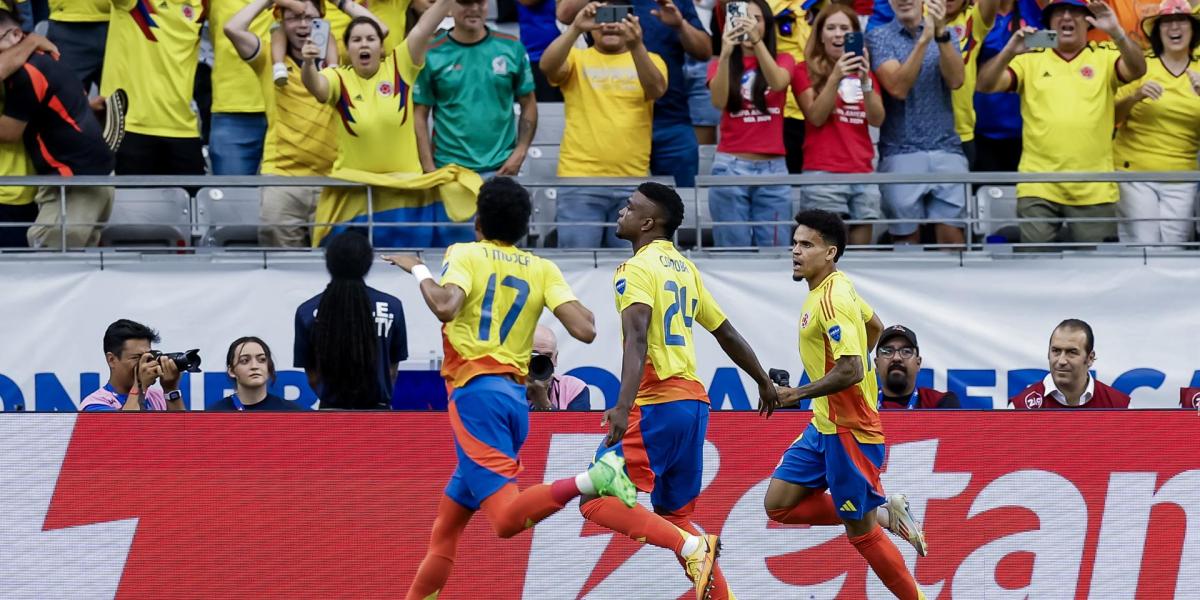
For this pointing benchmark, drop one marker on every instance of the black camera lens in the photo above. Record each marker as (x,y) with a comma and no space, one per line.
(184,361)
(541,367)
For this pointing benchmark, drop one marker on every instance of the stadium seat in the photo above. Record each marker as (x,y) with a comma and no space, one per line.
(227,216)
(550,124)
(997,204)
(149,217)
(687,231)
(541,164)
(708,152)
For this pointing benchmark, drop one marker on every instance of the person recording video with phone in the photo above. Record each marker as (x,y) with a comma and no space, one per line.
(614,83)
(133,368)
(1068,89)
(749,83)
(841,102)
(545,389)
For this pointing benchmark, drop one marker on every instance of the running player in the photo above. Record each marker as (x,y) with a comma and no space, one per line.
(661,415)
(842,449)
(489,300)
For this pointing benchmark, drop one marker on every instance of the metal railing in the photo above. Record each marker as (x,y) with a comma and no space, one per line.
(693,223)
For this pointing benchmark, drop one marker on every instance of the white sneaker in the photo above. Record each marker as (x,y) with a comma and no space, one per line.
(902,523)
(280,74)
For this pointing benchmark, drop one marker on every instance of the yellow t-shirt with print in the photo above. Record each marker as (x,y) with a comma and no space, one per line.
(968,27)
(608,118)
(506,289)
(660,277)
(79,11)
(152,51)
(234,84)
(792,44)
(374,117)
(1067,107)
(1163,134)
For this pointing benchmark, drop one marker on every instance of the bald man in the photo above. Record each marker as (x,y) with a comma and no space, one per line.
(559,392)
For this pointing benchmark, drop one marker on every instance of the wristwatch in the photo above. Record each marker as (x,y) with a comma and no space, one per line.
(174,395)
(943,38)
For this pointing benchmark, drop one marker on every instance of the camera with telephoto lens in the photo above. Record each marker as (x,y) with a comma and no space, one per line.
(780,377)
(184,361)
(541,368)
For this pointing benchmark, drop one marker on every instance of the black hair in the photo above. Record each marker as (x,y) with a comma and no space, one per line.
(1080,325)
(231,356)
(123,330)
(1156,45)
(668,201)
(733,103)
(828,224)
(355,22)
(343,340)
(503,210)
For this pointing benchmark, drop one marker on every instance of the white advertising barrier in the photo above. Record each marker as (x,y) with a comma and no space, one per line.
(983,324)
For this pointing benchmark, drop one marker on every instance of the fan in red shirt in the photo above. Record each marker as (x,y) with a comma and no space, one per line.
(1069,384)
(897,362)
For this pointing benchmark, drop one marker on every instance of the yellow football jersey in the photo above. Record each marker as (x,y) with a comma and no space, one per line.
(234,83)
(506,289)
(1163,134)
(661,278)
(834,324)
(375,129)
(79,11)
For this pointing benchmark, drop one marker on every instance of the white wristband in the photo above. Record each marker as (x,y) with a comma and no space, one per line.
(421,272)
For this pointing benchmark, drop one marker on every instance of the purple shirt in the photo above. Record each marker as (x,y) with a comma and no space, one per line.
(106,398)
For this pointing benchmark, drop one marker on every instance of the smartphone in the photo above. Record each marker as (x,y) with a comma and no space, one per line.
(1042,38)
(733,12)
(614,13)
(319,34)
(853,42)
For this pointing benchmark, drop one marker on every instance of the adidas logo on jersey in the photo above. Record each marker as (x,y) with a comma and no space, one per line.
(358,97)
(1045,73)
(848,506)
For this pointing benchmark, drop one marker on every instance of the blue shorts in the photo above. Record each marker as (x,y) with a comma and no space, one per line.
(490,419)
(664,451)
(848,467)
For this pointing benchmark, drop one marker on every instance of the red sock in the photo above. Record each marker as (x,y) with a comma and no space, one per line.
(887,563)
(814,509)
(681,519)
(564,490)
(637,522)
(511,512)
(443,544)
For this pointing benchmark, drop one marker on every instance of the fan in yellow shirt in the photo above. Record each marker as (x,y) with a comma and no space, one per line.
(239,121)
(608,102)
(152,52)
(79,28)
(963,18)
(1161,129)
(372,98)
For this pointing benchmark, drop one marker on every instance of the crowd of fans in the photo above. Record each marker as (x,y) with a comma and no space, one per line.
(409,87)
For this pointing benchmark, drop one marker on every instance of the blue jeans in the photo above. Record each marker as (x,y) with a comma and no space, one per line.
(700,106)
(675,152)
(236,143)
(580,205)
(750,203)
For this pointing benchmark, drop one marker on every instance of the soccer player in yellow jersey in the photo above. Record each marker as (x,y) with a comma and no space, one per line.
(842,448)
(490,298)
(661,414)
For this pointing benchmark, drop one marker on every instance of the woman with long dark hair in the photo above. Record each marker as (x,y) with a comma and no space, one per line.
(749,83)
(1161,130)
(351,337)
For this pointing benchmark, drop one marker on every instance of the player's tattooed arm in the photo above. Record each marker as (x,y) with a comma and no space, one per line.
(847,371)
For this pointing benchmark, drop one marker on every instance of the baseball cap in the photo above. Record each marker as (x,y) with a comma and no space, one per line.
(1049,8)
(899,331)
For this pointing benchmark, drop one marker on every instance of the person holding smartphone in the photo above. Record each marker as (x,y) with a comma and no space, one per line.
(749,83)
(840,99)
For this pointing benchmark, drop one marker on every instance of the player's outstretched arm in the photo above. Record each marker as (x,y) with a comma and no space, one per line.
(743,356)
(444,301)
(847,371)
(635,322)
(579,321)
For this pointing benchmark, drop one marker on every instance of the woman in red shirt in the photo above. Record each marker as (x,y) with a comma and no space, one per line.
(836,93)
(749,84)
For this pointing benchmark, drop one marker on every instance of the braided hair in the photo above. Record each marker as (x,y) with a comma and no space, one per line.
(345,351)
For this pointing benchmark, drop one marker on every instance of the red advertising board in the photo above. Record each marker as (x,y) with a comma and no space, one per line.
(1038,505)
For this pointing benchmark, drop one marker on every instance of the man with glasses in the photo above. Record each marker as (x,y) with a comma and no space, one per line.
(898,361)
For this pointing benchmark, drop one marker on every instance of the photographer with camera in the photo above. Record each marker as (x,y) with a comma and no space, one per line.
(133,367)
(544,389)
